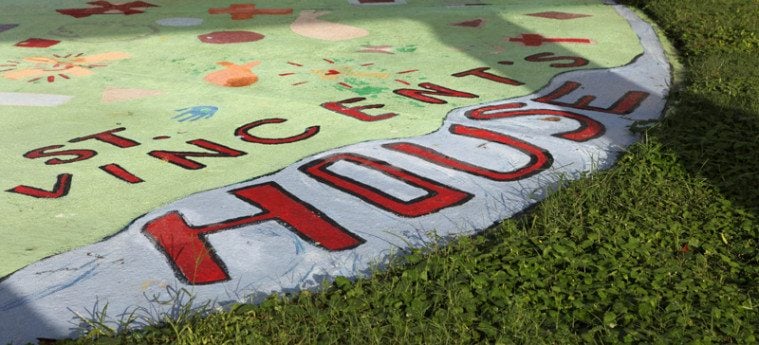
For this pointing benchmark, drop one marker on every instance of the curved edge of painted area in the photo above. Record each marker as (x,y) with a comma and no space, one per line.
(342,211)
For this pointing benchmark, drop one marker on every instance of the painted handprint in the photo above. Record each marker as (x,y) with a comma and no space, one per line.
(197,112)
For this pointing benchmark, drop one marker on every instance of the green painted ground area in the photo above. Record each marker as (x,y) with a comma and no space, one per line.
(101,56)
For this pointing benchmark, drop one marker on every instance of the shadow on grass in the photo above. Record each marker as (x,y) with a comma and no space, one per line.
(717,143)
(713,123)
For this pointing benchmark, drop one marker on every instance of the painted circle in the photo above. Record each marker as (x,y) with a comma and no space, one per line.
(226,37)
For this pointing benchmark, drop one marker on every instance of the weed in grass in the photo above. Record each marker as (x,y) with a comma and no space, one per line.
(95,324)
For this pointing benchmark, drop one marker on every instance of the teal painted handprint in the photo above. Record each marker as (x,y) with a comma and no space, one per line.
(197,112)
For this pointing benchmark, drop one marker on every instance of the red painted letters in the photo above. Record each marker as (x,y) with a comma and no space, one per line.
(438,196)
(110,138)
(180,157)
(78,155)
(545,57)
(589,128)
(120,173)
(60,189)
(540,159)
(194,259)
(480,72)
(357,112)
(623,106)
(433,89)
(242,132)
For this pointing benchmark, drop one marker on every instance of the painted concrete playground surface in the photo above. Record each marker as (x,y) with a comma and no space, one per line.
(153,151)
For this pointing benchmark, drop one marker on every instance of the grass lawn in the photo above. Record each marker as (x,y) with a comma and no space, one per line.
(663,248)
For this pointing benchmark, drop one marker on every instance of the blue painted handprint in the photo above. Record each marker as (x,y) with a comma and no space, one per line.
(197,112)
